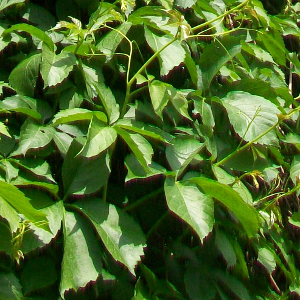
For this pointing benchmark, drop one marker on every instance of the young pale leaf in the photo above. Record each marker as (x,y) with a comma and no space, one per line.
(76,114)
(183,150)
(245,213)
(194,207)
(18,201)
(10,288)
(159,96)
(33,136)
(6,3)
(120,234)
(82,254)
(252,116)
(55,68)
(215,56)
(38,274)
(10,214)
(23,77)
(267,259)
(111,41)
(139,146)
(82,175)
(171,56)
(40,34)
(3,130)
(99,138)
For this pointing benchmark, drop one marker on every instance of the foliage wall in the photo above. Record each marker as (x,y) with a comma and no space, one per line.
(149,149)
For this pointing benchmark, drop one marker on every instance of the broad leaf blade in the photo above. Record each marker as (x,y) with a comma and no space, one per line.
(23,77)
(10,288)
(252,116)
(120,234)
(99,138)
(82,254)
(194,207)
(170,57)
(232,200)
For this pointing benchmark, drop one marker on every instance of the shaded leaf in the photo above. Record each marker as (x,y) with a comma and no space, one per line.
(23,77)
(10,287)
(6,238)
(81,259)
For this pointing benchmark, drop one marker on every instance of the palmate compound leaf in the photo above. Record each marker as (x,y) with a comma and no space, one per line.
(33,136)
(82,254)
(15,198)
(252,116)
(171,56)
(99,138)
(192,206)
(245,213)
(55,68)
(120,234)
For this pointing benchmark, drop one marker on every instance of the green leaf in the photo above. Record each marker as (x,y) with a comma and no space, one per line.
(33,136)
(23,77)
(194,207)
(63,142)
(76,114)
(170,57)
(185,3)
(10,287)
(266,258)
(9,213)
(215,56)
(82,254)
(17,199)
(159,96)
(99,138)
(55,68)
(225,178)
(38,273)
(6,238)
(180,102)
(35,108)
(40,34)
(251,116)
(82,175)
(6,3)
(145,129)
(139,146)
(111,41)
(295,170)
(96,87)
(181,153)
(120,234)
(3,130)
(226,248)
(11,172)
(245,213)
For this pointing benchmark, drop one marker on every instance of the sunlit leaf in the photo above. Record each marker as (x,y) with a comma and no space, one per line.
(120,234)
(194,207)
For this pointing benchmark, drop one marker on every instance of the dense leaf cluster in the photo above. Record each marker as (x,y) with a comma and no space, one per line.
(149,149)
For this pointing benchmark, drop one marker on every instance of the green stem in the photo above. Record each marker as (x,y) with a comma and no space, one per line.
(221,16)
(142,68)
(143,199)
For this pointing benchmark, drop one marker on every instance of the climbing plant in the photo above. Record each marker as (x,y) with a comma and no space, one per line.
(149,149)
